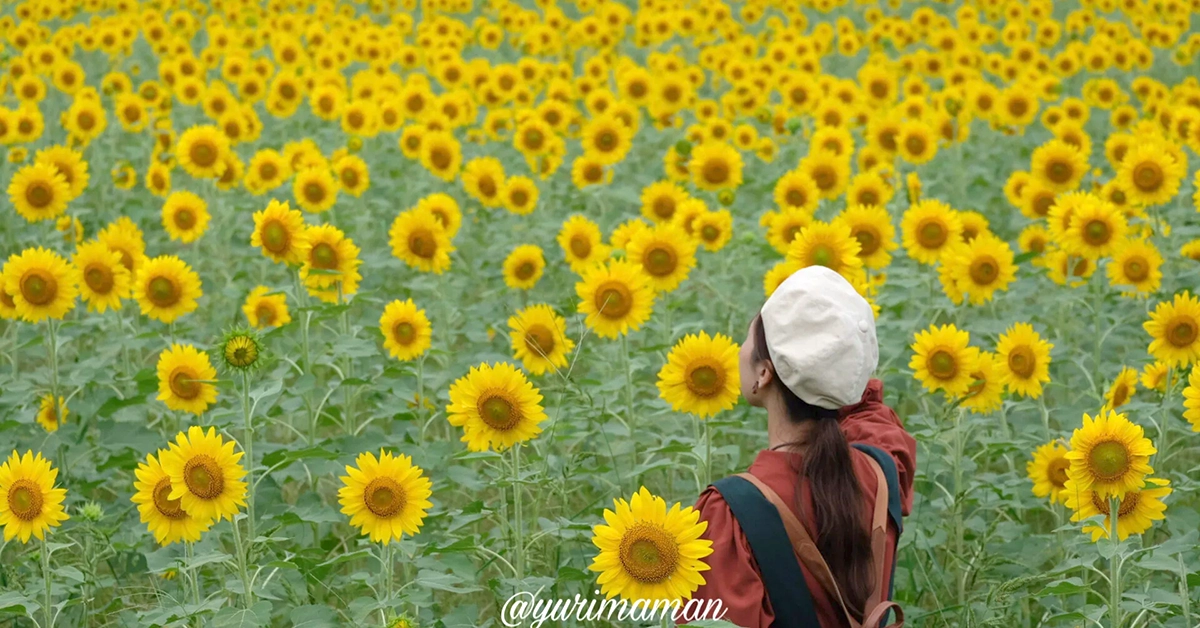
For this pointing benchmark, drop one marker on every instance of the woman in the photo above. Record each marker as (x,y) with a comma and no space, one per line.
(808,359)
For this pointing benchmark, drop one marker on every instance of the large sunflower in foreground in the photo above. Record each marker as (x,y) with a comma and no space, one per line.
(164,517)
(539,338)
(701,375)
(166,288)
(206,476)
(1048,471)
(615,297)
(1109,455)
(496,407)
(279,231)
(385,497)
(38,192)
(185,379)
(1025,358)
(1137,512)
(942,360)
(42,284)
(1174,329)
(31,505)
(648,552)
(406,330)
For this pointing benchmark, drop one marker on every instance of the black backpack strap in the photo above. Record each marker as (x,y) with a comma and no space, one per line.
(782,577)
(894,512)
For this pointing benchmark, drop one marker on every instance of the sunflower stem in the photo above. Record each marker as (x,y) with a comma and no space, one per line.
(1114,564)
(519,536)
(1165,421)
(386,561)
(47,609)
(193,578)
(248,448)
(243,573)
(347,366)
(628,393)
(959,550)
(53,338)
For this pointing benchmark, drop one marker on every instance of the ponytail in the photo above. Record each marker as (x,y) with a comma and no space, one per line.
(842,538)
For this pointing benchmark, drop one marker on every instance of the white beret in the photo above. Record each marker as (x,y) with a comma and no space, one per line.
(821,337)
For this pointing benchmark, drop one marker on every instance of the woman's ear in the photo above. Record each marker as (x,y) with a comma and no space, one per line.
(766,374)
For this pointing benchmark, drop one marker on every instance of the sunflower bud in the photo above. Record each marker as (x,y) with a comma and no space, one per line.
(241,349)
(726,197)
(354,144)
(91,511)
(683,147)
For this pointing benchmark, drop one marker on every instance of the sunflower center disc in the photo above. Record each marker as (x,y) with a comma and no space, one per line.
(1109,460)
(709,233)
(984,271)
(422,244)
(183,384)
(664,207)
(1182,332)
(524,271)
(1021,362)
(868,243)
(1148,177)
(825,177)
(98,278)
(1096,233)
(822,255)
(580,246)
(868,197)
(324,256)
(384,497)
(403,332)
(716,172)
(648,553)
(931,235)
(1136,269)
(39,287)
(915,145)
(593,173)
(1058,472)
(498,413)
(606,141)
(659,261)
(706,380)
(203,477)
(1120,395)
(613,300)
(518,198)
(539,339)
(265,314)
(86,121)
(39,195)
(943,365)
(314,192)
(275,237)
(185,219)
(203,154)
(487,186)
(349,178)
(267,172)
(167,507)
(162,292)
(1059,172)
(25,500)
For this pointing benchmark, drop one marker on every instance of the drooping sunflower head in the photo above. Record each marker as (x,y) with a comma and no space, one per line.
(1137,510)
(496,406)
(1109,455)
(650,552)
(30,505)
(1048,471)
(385,497)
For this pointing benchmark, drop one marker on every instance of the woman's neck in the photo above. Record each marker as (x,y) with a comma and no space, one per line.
(783,432)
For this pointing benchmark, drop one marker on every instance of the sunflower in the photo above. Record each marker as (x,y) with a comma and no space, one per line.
(1026,360)
(42,284)
(872,226)
(164,516)
(126,239)
(666,254)
(928,228)
(353,176)
(1138,264)
(418,238)
(166,288)
(1138,510)
(985,393)
(330,262)
(201,151)
(103,280)
(205,474)
(266,309)
(85,119)
(776,275)
(783,227)
(185,379)
(1109,455)
(981,267)
(713,229)
(1122,389)
(716,166)
(315,189)
(524,266)
(158,179)
(483,179)
(32,505)
(267,170)
(1155,376)
(39,192)
(586,170)
(616,297)
(942,360)
(660,201)
(795,190)
(869,188)
(441,155)
(1048,471)
(185,216)
(70,164)
(1094,228)
(445,209)
(827,244)
(829,173)
(1174,329)
(1059,166)
(581,243)
(385,497)
(279,231)
(1150,174)
(648,552)
(50,414)
(916,142)
(1191,400)
(539,339)
(606,139)
(406,330)
(701,375)
(496,407)
(520,195)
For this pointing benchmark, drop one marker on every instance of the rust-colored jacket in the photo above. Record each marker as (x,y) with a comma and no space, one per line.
(734,577)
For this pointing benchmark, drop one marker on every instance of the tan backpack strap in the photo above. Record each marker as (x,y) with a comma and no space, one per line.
(877,613)
(803,544)
(879,538)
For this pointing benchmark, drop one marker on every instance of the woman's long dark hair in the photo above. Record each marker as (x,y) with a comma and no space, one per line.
(842,536)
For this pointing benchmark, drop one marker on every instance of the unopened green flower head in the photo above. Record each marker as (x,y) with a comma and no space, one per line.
(403,621)
(92,511)
(241,349)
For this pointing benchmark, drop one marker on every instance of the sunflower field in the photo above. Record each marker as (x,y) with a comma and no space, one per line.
(337,313)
